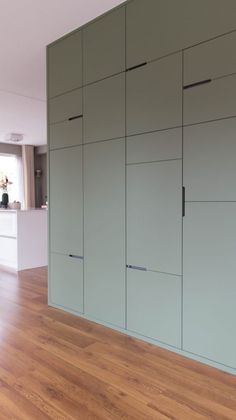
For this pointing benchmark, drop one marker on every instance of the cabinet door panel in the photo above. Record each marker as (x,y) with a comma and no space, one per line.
(104,109)
(154,96)
(65,65)
(104,46)
(65,134)
(209,281)
(174,25)
(210,161)
(160,145)
(154,305)
(210,101)
(104,230)
(66,201)
(154,219)
(66,282)
(65,106)
(215,58)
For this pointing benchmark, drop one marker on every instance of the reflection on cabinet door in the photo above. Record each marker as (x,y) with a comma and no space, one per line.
(174,25)
(154,305)
(104,46)
(66,201)
(66,282)
(215,58)
(209,281)
(104,231)
(154,216)
(210,101)
(65,64)
(210,161)
(154,96)
(104,109)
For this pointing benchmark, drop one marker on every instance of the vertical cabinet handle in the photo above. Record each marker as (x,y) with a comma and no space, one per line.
(183,201)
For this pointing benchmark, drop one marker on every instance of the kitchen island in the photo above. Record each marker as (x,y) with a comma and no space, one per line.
(23,238)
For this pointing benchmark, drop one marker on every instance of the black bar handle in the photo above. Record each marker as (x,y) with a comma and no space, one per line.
(183,201)
(201,82)
(135,267)
(78,257)
(75,117)
(137,66)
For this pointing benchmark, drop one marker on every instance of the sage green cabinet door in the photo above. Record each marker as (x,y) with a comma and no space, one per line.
(66,201)
(210,161)
(154,216)
(66,282)
(104,231)
(209,60)
(154,96)
(66,134)
(65,64)
(174,25)
(156,146)
(104,46)
(209,281)
(65,107)
(210,101)
(154,305)
(104,109)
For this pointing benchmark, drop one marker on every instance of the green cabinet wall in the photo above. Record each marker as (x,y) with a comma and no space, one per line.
(104,109)
(104,231)
(209,281)
(104,55)
(142,197)
(66,201)
(65,65)
(154,96)
(154,216)
(154,305)
(66,282)
(158,28)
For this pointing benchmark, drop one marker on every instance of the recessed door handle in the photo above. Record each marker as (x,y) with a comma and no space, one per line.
(136,267)
(201,82)
(137,66)
(78,257)
(75,117)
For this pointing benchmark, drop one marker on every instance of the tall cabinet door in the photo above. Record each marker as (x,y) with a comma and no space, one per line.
(104,231)
(154,234)
(66,229)
(154,215)
(66,201)
(65,64)
(209,281)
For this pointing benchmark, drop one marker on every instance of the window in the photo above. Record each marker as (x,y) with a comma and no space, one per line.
(10,166)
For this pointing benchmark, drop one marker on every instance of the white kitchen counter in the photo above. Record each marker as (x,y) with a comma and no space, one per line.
(23,238)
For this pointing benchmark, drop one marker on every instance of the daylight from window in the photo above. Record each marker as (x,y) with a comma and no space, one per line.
(10,167)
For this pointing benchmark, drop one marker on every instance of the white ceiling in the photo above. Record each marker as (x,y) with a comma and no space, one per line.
(26,27)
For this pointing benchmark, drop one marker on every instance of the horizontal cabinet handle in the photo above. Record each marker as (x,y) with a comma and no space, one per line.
(78,257)
(75,117)
(137,66)
(135,267)
(201,82)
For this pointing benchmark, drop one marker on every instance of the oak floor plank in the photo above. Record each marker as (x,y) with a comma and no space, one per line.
(54,365)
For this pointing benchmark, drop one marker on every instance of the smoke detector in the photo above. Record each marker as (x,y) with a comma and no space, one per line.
(14,137)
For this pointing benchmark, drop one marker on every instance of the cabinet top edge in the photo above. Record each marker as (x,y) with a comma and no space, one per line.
(90,22)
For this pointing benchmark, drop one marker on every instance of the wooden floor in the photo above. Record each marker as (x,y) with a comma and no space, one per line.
(57,366)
